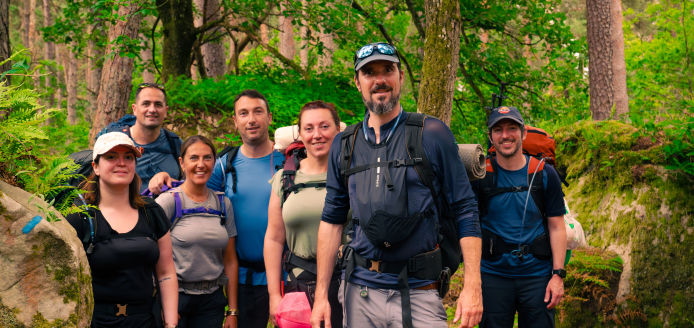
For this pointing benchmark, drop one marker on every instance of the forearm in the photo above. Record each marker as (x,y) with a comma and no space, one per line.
(329,238)
(231,270)
(557,238)
(272,254)
(472,254)
(168,287)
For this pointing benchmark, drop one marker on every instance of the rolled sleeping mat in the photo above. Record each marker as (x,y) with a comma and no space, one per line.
(473,159)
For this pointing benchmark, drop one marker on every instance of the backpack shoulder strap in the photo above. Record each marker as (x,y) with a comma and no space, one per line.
(154,219)
(537,189)
(222,207)
(175,147)
(291,165)
(414,132)
(347,149)
(486,186)
(231,152)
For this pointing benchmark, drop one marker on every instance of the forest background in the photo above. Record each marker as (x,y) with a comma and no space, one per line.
(75,64)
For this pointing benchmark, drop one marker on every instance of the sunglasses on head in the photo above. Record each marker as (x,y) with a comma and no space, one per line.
(368,50)
(150,85)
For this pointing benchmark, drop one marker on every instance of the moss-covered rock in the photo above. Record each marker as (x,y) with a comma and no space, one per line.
(630,204)
(45,274)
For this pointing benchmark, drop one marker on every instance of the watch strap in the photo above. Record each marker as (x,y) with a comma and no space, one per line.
(560,272)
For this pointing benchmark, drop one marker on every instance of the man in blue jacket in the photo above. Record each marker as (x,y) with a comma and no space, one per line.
(523,232)
(397,216)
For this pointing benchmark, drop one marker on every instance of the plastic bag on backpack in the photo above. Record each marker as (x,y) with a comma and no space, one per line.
(575,237)
(294,311)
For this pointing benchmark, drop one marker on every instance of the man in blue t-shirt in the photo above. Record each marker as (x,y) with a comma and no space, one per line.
(254,164)
(148,135)
(522,268)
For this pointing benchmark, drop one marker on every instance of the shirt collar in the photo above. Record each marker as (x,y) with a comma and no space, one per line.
(385,128)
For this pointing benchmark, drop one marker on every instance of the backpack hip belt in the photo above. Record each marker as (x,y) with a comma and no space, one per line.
(494,246)
(291,261)
(204,285)
(425,266)
(252,268)
(124,309)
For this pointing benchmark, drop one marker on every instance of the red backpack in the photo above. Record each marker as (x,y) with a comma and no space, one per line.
(292,156)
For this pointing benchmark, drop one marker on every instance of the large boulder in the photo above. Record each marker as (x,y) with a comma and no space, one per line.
(631,205)
(46,280)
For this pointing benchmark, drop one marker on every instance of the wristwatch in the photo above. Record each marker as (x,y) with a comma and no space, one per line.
(560,272)
(232,312)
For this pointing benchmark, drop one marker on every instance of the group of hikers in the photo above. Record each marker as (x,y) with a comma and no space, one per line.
(370,222)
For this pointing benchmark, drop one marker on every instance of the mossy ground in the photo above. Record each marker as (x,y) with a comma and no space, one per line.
(623,194)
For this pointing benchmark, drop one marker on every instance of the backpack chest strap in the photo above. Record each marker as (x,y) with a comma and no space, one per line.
(180,211)
(386,164)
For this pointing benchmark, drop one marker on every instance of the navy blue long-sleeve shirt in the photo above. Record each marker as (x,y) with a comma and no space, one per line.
(442,152)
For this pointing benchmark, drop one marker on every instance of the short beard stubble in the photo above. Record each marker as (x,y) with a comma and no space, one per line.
(381,108)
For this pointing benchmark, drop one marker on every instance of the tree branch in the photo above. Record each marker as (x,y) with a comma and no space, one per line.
(473,85)
(385,34)
(154,47)
(278,55)
(415,18)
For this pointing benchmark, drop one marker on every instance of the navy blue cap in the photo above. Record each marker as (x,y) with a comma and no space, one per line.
(504,112)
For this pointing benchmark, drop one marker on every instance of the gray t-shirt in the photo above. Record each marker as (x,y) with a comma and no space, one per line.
(198,240)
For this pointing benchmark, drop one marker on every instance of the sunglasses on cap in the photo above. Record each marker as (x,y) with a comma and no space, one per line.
(150,85)
(368,50)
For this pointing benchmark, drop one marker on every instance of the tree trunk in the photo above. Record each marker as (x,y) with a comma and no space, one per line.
(179,35)
(619,66)
(49,49)
(26,19)
(116,79)
(147,72)
(5,49)
(600,66)
(441,54)
(286,34)
(326,60)
(265,39)
(95,52)
(71,79)
(59,55)
(35,53)
(212,52)
(305,33)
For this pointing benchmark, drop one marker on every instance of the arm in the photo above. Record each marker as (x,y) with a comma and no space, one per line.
(158,181)
(168,281)
(231,269)
(329,238)
(557,237)
(469,309)
(275,239)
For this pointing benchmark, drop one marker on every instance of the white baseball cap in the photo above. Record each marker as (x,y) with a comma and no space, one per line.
(108,141)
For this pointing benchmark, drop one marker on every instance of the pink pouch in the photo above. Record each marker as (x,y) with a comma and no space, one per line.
(294,311)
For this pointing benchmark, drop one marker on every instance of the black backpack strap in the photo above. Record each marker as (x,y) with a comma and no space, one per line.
(348,139)
(231,152)
(153,216)
(175,147)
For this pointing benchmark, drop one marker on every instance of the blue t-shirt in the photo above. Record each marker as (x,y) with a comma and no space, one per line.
(442,152)
(156,157)
(250,203)
(505,214)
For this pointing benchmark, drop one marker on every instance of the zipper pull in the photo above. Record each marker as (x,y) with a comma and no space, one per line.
(491,246)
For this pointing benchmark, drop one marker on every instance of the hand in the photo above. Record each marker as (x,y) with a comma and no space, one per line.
(321,312)
(231,322)
(555,288)
(469,310)
(274,302)
(158,181)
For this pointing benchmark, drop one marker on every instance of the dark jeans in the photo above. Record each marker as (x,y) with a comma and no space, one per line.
(502,297)
(201,311)
(306,282)
(254,306)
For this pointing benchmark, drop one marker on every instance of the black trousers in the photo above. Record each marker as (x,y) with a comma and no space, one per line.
(306,282)
(502,297)
(254,306)
(201,311)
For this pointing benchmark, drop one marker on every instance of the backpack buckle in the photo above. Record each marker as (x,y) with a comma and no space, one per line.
(487,190)
(399,162)
(122,308)
(516,189)
(375,266)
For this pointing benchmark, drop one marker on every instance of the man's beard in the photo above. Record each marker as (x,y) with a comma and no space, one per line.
(512,153)
(381,108)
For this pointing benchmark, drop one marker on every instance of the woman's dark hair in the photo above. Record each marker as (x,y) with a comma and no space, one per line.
(319,104)
(93,195)
(195,139)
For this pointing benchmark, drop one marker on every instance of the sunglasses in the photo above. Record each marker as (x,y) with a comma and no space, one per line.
(150,85)
(368,50)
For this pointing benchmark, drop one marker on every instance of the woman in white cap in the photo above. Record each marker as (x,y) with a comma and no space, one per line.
(127,240)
